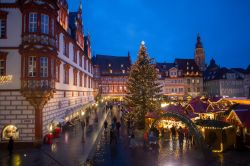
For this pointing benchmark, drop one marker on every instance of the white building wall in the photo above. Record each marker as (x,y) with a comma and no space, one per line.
(14,28)
(16,110)
(13,67)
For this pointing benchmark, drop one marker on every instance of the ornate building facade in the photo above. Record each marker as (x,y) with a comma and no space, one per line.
(111,75)
(180,79)
(184,77)
(42,46)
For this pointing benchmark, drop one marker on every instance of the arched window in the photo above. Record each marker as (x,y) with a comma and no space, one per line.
(10,131)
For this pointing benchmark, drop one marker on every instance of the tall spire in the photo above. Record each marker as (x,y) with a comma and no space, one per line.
(80,6)
(198,42)
(199,55)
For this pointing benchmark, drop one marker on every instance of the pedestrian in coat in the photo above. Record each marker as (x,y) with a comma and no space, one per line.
(10,146)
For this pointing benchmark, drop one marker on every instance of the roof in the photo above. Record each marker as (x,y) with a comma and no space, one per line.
(211,123)
(198,105)
(240,70)
(163,67)
(180,110)
(72,26)
(219,73)
(243,113)
(187,65)
(86,44)
(117,64)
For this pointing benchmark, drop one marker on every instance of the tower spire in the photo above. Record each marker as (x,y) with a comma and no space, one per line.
(199,55)
(198,42)
(80,6)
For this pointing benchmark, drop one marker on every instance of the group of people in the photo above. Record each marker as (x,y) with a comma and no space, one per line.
(177,132)
(114,130)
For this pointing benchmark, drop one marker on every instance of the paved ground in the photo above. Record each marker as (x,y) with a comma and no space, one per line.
(170,154)
(68,150)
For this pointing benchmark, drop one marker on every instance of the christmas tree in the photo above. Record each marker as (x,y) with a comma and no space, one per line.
(142,88)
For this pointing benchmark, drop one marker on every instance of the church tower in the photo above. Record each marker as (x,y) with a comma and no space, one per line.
(199,55)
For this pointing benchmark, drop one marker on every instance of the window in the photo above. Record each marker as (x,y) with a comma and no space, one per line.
(3,28)
(188,81)
(75,76)
(189,90)
(33,22)
(58,72)
(2,65)
(121,65)
(197,81)
(85,80)
(110,71)
(75,55)
(44,67)
(80,60)
(80,78)
(45,24)
(32,66)
(123,71)
(85,63)
(66,74)
(109,65)
(193,81)
(198,89)
(52,27)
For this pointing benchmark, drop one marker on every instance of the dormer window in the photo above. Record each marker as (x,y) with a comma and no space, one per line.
(192,68)
(187,68)
(123,71)
(121,65)
(109,65)
(110,71)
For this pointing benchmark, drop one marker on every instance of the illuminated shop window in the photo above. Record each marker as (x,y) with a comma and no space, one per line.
(10,131)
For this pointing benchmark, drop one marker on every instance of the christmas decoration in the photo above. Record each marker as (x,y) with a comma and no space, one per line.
(143,91)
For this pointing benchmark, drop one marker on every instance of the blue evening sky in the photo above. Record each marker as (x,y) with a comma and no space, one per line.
(169,28)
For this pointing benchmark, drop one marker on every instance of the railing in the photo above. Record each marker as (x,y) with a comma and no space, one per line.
(43,84)
(39,39)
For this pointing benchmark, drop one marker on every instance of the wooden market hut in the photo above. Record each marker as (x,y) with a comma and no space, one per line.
(219,135)
(240,117)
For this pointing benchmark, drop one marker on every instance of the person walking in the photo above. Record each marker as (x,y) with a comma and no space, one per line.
(83,125)
(10,146)
(118,125)
(87,120)
(105,125)
(145,136)
(181,137)
(173,132)
(111,135)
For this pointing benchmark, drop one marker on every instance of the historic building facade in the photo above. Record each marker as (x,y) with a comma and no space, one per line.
(43,49)
(224,82)
(111,75)
(184,77)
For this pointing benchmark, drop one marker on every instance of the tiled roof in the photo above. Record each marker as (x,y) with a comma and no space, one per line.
(243,113)
(180,110)
(163,67)
(115,63)
(187,65)
(198,105)
(219,73)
